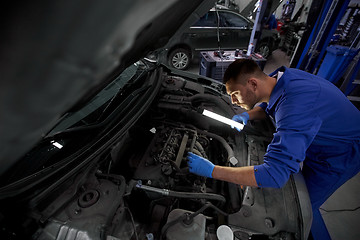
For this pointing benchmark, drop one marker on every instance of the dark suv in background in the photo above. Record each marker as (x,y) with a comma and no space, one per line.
(218,28)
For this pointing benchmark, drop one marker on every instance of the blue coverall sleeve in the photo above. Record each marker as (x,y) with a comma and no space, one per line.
(263,105)
(297,123)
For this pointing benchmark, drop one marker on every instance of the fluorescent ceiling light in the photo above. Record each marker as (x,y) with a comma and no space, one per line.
(222,119)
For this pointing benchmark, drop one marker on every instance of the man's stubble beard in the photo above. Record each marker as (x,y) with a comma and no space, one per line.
(251,100)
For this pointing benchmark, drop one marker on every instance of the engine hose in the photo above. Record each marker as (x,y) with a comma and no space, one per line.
(201,149)
(187,217)
(206,206)
(208,196)
(193,141)
(187,195)
(221,103)
(198,153)
(231,156)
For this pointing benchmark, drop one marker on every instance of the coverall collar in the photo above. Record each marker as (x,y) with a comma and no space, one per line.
(279,87)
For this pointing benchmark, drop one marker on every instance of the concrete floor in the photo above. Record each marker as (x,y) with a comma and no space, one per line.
(341,224)
(344,224)
(277,59)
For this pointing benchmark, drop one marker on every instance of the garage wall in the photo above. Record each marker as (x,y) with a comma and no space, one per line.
(305,12)
(298,4)
(242,4)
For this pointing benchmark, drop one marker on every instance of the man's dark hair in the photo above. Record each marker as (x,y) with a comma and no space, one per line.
(243,67)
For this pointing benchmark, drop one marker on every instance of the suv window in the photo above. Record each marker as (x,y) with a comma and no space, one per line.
(232,20)
(208,20)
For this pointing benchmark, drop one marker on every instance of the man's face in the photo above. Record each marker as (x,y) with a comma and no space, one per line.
(241,95)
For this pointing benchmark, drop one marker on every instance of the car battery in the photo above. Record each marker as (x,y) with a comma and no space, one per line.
(214,65)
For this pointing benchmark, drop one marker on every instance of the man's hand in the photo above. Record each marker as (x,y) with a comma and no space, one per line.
(241,118)
(200,166)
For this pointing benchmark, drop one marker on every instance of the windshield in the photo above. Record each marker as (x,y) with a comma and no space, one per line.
(94,109)
(80,128)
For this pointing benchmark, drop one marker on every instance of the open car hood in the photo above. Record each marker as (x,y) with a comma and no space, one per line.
(55,55)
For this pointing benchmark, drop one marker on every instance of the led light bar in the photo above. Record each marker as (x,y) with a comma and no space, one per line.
(222,119)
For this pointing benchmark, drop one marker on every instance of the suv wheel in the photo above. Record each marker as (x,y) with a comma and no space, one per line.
(180,58)
(264,49)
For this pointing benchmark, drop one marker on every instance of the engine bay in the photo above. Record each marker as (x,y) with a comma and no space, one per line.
(141,187)
(151,191)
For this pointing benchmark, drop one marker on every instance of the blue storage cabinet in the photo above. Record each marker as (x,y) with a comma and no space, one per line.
(335,62)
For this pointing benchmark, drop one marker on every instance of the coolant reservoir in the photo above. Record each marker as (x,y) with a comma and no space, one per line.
(181,231)
(224,233)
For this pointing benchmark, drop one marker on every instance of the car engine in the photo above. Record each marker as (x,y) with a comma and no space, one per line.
(141,187)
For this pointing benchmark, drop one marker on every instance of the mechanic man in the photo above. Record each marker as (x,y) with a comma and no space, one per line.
(271,23)
(315,124)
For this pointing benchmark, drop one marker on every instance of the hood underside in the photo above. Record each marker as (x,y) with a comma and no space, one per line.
(55,55)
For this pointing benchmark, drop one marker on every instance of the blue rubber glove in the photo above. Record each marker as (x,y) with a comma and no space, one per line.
(241,118)
(200,165)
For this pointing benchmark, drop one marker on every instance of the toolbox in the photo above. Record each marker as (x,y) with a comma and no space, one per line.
(213,64)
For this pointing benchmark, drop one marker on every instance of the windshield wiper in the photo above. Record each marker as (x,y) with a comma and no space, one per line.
(98,125)
(121,90)
(95,108)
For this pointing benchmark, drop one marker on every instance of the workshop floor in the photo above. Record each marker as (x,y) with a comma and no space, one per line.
(277,59)
(341,224)
(344,224)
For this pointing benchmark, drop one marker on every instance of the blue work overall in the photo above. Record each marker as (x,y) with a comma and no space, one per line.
(317,125)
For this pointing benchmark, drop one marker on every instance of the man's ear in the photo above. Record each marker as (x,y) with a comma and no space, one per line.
(253,83)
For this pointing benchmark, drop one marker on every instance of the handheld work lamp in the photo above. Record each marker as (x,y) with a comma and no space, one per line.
(222,119)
